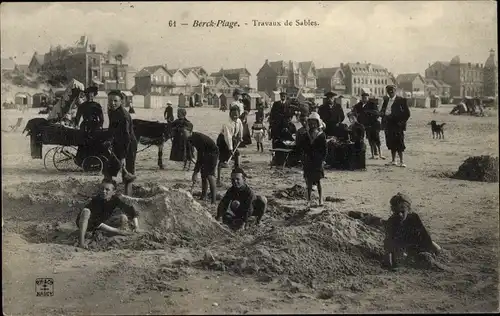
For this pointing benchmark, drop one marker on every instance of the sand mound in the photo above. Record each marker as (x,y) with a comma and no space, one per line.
(172,218)
(327,247)
(478,168)
(168,217)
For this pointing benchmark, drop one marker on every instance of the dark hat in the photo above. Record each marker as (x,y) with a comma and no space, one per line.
(189,126)
(92,89)
(237,91)
(330,94)
(282,93)
(365,94)
(115,92)
(390,87)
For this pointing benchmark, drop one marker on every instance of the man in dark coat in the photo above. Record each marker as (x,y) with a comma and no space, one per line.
(331,114)
(278,119)
(90,112)
(367,113)
(124,142)
(395,113)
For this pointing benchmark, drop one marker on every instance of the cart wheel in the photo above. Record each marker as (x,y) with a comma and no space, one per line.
(48,159)
(64,159)
(92,165)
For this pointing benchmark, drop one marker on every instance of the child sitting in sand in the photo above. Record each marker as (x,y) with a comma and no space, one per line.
(405,233)
(99,213)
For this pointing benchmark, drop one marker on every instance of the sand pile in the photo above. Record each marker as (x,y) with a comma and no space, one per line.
(171,218)
(168,217)
(325,248)
(478,168)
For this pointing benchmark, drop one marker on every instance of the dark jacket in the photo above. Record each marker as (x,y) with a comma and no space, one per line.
(400,113)
(278,118)
(122,131)
(331,116)
(91,114)
(367,114)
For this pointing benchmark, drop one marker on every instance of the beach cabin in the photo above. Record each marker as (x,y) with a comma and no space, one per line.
(40,100)
(23,98)
(435,101)
(253,99)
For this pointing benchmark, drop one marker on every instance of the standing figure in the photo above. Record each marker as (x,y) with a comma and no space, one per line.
(228,140)
(181,149)
(169,113)
(90,112)
(278,118)
(395,113)
(314,148)
(206,162)
(124,142)
(367,113)
(259,133)
(332,114)
(357,158)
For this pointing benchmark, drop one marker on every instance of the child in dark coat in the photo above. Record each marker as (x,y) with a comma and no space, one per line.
(314,148)
(357,155)
(405,233)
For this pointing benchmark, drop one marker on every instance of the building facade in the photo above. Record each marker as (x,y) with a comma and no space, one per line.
(466,79)
(331,79)
(85,64)
(491,76)
(153,80)
(365,75)
(238,76)
(413,83)
(287,76)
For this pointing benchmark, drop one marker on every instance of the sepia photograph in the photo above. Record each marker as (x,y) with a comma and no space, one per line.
(249,157)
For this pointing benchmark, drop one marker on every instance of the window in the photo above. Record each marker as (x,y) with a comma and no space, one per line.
(106,74)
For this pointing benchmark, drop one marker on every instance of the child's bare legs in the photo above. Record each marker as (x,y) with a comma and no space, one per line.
(309,185)
(204,187)
(213,192)
(261,147)
(219,184)
(318,184)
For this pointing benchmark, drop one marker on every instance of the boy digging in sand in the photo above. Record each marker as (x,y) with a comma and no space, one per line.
(405,233)
(99,213)
(206,162)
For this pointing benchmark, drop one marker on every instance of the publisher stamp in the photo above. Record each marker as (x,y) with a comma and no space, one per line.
(44,287)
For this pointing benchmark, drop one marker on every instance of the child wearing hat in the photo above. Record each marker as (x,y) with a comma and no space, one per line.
(313,146)
(169,113)
(405,233)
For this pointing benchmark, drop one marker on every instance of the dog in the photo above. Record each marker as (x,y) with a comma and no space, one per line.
(437,129)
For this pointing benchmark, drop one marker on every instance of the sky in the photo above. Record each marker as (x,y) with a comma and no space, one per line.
(401,36)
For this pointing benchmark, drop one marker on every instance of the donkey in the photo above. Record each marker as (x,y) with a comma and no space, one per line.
(153,133)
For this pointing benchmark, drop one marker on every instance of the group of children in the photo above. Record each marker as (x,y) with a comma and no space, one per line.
(405,233)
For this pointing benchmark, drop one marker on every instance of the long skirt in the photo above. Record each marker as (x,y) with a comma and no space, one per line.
(247,139)
(395,138)
(181,149)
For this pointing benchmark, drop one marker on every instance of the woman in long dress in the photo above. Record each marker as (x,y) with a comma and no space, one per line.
(314,146)
(181,150)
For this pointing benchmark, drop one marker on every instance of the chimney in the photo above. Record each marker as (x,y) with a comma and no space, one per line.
(341,65)
(108,57)
(267,61)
